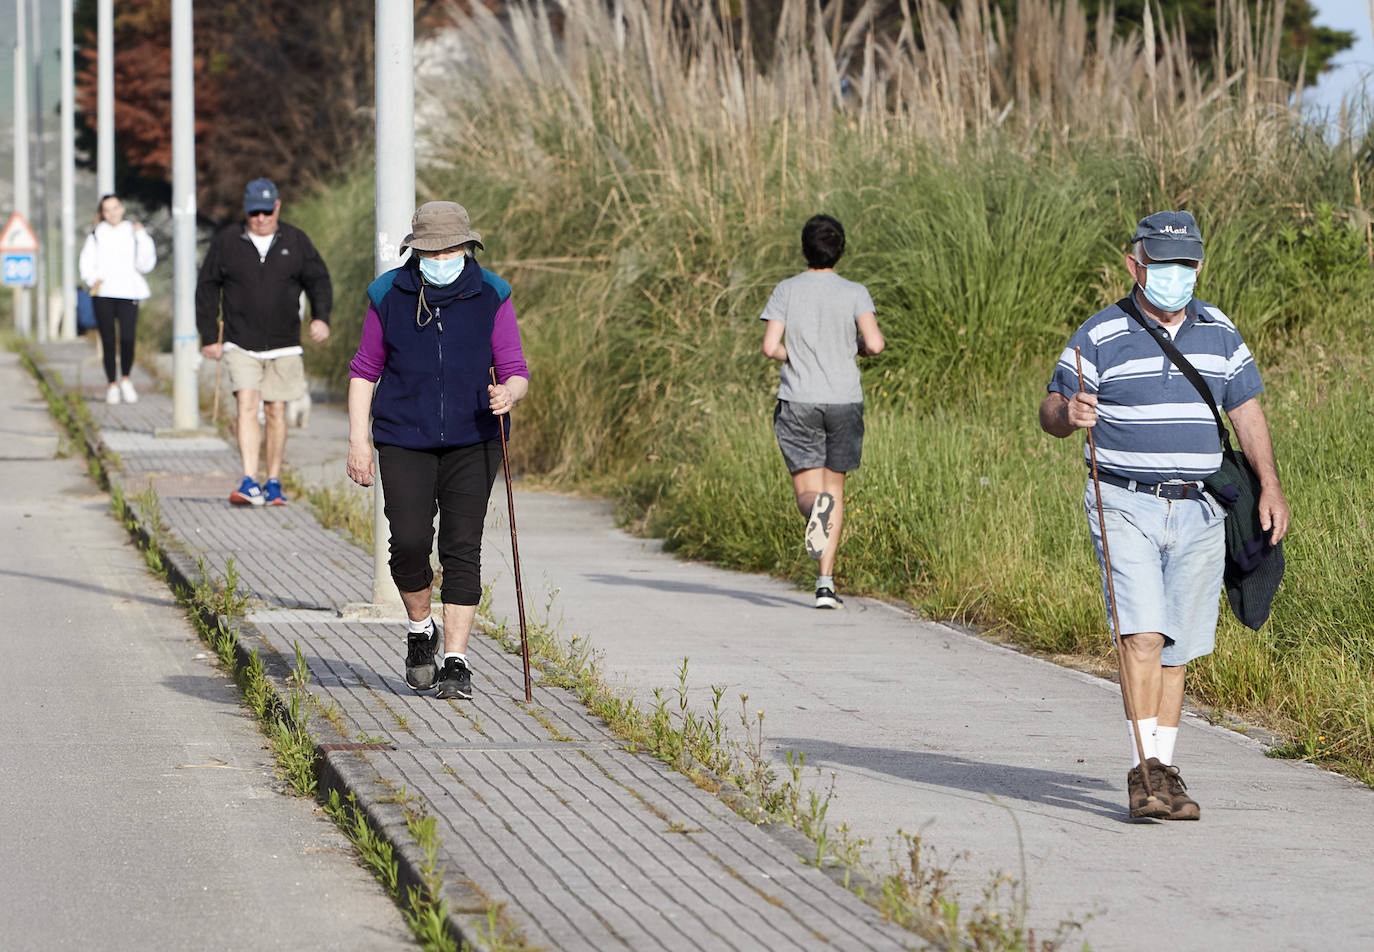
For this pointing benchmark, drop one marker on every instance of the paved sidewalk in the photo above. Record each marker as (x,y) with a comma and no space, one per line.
(586,846)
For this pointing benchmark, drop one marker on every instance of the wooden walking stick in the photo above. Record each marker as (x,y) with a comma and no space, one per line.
(1126,699)
(515,552)
(219,369)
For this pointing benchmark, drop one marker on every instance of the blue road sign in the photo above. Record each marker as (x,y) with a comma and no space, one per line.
(18,271)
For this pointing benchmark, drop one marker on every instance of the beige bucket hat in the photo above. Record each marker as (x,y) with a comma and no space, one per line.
(436,226)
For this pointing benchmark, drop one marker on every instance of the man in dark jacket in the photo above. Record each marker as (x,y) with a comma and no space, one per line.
(254,273)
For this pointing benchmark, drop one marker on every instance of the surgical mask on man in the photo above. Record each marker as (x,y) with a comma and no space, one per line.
(1169,287)
(441,272)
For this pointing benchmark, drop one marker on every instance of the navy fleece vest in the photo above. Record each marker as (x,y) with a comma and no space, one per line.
(433,388)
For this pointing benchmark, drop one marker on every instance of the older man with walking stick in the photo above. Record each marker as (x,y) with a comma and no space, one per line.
(1155,441)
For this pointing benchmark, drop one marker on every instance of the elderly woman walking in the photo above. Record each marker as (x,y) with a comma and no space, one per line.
(114,259)
(435,328)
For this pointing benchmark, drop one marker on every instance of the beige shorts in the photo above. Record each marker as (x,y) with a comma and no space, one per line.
(276,380)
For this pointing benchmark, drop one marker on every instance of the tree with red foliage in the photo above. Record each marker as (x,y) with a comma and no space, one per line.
(282,91)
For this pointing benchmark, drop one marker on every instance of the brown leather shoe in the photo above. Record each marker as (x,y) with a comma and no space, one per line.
(1156,806)
(1181,806)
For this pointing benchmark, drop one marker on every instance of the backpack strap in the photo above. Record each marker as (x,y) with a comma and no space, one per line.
(1128,305)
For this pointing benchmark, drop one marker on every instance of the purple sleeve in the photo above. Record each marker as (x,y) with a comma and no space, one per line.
(506,353)
(371,356)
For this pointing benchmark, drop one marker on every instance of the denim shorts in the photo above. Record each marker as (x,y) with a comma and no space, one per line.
(812,435)
(1167,562)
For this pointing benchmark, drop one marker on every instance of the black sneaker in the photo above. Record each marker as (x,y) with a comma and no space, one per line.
(422,665)
(455,681)
(826,598)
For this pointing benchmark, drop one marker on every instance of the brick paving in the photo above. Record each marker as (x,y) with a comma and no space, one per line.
(539,809)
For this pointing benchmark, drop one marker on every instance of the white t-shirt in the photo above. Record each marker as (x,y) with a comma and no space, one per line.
(262,242)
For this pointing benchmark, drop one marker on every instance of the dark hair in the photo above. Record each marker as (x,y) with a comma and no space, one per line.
(822,241)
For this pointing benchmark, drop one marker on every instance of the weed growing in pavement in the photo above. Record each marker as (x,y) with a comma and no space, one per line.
(342,507)
(918,895)
(291,739)
(426,913)
(374,851)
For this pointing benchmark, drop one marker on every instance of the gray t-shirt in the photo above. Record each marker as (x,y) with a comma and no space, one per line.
(819,310)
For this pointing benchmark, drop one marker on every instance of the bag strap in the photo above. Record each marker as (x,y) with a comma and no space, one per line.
(1128,305)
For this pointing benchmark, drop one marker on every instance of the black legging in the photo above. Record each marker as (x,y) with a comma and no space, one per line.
(457,483)
(108,312)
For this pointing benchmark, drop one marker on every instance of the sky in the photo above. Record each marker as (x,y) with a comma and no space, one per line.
(1351,69)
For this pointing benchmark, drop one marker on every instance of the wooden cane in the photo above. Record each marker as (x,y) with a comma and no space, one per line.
(1126,700)
(219,369)
(515,552)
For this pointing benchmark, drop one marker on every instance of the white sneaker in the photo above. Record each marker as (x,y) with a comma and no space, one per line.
(112,395)
(127,391)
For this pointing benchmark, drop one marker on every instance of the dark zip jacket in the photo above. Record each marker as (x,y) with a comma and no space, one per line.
(433,389)
(260,296)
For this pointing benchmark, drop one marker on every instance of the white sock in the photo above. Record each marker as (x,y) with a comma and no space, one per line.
(1147,739)
(454,654)
(423,627)
(1165,738)
(825,581)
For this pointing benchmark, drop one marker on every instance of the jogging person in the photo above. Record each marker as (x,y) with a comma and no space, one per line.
(114,259)
(435,328)
(819,417)
(255,271)
(1156,439)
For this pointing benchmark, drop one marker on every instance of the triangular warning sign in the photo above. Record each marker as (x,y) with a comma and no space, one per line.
(18,237)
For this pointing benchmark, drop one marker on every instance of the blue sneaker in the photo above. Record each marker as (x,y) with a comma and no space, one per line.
(272,490)
(249,493)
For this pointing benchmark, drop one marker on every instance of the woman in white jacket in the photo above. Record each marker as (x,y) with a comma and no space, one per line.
(116,256)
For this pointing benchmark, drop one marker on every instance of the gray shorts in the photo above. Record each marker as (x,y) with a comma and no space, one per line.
(812,435)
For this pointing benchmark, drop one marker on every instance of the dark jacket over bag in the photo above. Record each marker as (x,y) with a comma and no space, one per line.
(433,388)
(260,296)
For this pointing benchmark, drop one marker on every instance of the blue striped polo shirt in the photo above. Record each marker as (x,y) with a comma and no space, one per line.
(1152,424)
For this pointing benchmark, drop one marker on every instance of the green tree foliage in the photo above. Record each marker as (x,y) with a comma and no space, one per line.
(1301,37)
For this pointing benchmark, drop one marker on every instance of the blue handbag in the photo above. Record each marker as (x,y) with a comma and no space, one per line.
(85,311)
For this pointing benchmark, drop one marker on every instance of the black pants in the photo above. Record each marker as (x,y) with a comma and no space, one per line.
(456,483)
(108,313)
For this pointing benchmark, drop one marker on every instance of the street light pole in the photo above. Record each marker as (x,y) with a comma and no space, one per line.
(104,98)
(69,275)
(40,179)
(185,339)
(23,317)
(395,200)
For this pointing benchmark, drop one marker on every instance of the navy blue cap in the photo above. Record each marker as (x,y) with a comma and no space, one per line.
(1170,236)
(260,196)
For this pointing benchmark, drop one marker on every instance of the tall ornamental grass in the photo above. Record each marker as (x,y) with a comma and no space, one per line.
(641,179)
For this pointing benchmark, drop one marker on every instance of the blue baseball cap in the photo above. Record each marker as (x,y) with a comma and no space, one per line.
(259,196)
(1170,236)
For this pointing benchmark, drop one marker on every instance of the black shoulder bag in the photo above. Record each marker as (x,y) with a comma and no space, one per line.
(1254,567)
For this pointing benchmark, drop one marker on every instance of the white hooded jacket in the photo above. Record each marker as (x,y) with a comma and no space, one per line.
(114,260)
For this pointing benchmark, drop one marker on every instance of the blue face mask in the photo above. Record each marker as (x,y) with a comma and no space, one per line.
(440,273)
(1169,287)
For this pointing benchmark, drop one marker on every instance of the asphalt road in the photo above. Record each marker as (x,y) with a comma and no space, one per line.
(139,808)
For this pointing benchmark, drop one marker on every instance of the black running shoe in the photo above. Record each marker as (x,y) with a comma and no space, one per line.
(455,680)
(826,598)
(422,665)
